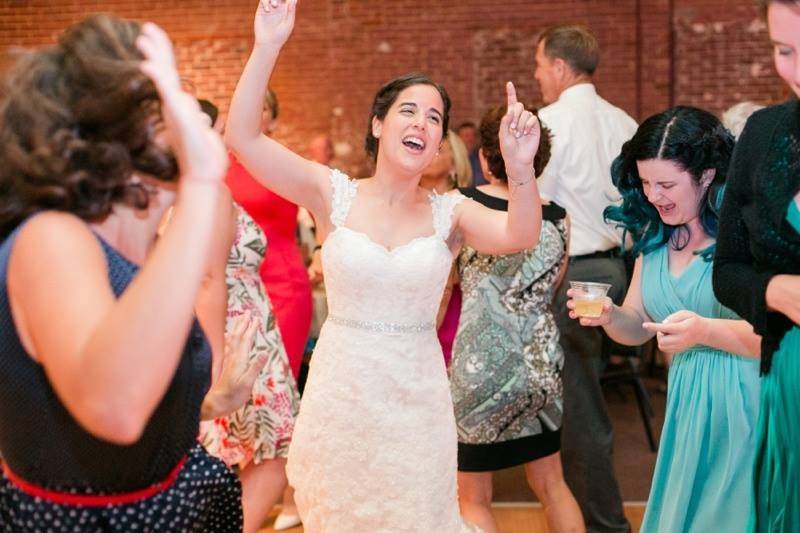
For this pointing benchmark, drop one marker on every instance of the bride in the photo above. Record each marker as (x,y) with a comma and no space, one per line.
(375,443)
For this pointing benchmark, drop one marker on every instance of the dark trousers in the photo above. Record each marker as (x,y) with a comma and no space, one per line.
(587,435)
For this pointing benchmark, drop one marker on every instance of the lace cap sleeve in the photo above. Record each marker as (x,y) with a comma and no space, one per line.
(443,206)
(343,189)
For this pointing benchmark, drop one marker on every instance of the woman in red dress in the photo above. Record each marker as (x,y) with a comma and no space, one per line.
(284,272)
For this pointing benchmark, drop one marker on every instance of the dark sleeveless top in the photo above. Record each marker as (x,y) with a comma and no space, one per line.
(44,445)
(552,211)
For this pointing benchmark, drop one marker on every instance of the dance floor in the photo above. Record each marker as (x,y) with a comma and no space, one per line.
(633,460)
(515,507)
(517,518)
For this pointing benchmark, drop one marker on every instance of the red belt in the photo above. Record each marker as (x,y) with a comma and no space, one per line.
(92,500)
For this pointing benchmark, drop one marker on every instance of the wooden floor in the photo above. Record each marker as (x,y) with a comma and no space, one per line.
(519,518)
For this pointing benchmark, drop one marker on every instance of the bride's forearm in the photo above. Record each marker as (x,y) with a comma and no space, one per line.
(244,116)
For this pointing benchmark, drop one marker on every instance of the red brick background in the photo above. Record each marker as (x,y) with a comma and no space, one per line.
(655,53)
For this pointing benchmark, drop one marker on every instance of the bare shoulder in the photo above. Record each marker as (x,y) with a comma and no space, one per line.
(54,227)
(457,197)
(54,240)
(460,202)
(455,193)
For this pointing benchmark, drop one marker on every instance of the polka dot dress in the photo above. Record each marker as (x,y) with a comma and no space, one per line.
(206,496)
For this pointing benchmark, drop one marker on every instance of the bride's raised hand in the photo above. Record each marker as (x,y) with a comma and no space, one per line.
(199,150)
(519,136)
(274,22)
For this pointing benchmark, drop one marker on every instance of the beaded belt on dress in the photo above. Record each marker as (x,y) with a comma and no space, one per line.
(381,327)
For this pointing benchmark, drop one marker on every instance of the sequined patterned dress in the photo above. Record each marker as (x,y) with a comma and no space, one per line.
(374,448)
(262,428)
(505,376)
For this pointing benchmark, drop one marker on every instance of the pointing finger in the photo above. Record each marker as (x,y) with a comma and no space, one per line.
(511,95)
(679,316)
(661,327)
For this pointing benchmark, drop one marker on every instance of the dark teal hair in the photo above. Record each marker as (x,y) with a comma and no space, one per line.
(693,139)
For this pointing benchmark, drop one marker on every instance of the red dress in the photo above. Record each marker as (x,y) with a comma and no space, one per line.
(283,272)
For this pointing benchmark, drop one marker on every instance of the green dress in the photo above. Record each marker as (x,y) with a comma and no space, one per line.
(776,505)
(703,473)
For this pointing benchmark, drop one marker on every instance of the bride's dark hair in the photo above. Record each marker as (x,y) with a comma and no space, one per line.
(387,95)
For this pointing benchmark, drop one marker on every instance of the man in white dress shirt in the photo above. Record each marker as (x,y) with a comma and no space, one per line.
(588,133)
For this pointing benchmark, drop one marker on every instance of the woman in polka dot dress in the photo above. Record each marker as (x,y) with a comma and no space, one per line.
(103,371)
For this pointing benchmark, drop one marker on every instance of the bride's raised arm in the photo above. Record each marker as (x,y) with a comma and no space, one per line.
(279,169)
(496,232)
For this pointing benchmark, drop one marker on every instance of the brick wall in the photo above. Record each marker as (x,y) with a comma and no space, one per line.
(710,53)
(722,55)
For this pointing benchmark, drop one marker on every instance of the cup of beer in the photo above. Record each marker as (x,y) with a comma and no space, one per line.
(588,297)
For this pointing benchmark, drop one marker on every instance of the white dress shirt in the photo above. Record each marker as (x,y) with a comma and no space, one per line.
(588,134)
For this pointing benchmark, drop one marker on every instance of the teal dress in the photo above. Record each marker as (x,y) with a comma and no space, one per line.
(776,505)
(703,476)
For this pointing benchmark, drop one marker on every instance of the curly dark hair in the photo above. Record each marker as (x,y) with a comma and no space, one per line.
(693,139)
(77,119)
(387,95)
(490,143)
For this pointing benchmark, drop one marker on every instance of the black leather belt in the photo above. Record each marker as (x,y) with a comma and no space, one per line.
(605,254)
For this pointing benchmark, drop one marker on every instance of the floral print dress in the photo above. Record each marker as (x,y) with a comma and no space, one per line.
(262,428)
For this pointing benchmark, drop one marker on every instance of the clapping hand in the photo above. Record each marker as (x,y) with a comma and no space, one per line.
(199,150)
(679,331)
(274,21)
(238,373)
(519,137)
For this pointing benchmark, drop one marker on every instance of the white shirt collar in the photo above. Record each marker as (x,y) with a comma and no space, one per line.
(579,91)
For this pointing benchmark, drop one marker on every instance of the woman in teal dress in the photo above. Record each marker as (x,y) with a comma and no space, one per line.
(671,176)
(757,273)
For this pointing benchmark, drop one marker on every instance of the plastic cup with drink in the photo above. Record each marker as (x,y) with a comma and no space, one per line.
(588,297)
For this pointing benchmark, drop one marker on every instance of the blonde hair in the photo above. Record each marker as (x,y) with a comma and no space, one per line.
(461,165)
(271,103)
(735,117)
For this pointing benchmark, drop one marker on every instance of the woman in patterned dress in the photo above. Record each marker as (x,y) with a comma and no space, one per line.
(256,437)
(505,376)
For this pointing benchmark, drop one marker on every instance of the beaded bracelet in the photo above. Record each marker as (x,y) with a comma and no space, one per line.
(521,183)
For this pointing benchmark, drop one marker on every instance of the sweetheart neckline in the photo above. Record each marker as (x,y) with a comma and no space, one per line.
(389,251)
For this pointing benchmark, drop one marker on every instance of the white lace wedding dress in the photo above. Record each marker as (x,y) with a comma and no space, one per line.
(374,447)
